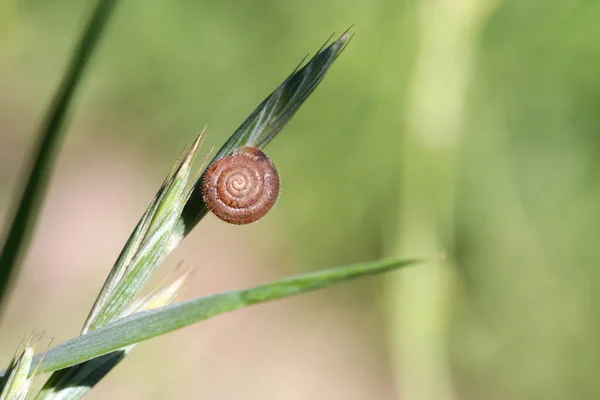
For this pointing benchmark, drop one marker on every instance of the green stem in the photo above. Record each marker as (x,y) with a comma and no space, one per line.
(421,299)
(41,164)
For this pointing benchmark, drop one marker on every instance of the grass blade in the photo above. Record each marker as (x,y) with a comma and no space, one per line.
(17,383)
(148,324)
(267,120)
(42,162)
(76,381)
(147,247)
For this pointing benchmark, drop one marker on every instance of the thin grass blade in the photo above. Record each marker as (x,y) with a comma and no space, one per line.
(42,162)
(147,247)
(148,324)
(267,120)
(75,382)
(258,129)
(17,383)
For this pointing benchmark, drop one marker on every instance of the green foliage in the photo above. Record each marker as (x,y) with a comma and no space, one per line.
(49,141)
(268,119)
(147,247)
(520,227)
(119,318)
(16,383)
(74,382)
(148,324)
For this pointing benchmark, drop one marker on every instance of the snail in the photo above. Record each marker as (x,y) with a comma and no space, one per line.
(242,188)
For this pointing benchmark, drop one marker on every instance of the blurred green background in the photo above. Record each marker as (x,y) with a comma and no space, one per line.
(463,126)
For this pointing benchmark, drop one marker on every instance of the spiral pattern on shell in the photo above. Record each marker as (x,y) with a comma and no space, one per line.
(242,188)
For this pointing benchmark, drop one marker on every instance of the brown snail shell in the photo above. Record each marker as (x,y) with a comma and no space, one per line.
(242,188)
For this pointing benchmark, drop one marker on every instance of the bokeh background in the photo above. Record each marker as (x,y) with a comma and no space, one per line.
(465,126)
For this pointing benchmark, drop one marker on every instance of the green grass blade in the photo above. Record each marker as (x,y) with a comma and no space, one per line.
(267,120)
(148,324)
(17,383)
(28,206)
(75,382)
(147,247)
(277,109)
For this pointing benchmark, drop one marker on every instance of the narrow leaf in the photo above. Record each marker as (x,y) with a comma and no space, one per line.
(76,381)
(148,324)
(147,247)
(267,120)
(49,141)
(16,383)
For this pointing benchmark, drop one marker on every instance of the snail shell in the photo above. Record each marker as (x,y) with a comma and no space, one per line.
(242,188)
